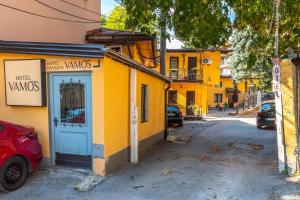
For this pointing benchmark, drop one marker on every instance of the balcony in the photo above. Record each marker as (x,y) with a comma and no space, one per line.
(186,75)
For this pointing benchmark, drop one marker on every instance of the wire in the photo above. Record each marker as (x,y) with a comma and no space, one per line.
(47,17)
(48,6)
(97,13)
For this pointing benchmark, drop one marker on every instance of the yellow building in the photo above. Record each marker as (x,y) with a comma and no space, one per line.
(288,141)
(91,107)
(134,45)
(192,73)
(222,92)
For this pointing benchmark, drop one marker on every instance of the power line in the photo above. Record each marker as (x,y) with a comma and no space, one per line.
(97,13)
(48,6)
(47,17)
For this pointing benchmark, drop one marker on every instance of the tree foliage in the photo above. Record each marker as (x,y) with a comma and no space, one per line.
(249,59)
(116,19)
(201,23)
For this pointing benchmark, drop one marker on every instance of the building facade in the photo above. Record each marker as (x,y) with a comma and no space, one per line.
(192,73)
(58,21)
(91,105)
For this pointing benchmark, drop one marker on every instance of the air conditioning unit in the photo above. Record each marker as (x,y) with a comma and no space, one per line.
(206,61)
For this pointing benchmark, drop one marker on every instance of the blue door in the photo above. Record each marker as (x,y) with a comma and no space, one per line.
(71,118)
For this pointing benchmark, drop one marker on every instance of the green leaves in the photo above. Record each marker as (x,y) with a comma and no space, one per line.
(201,23)
(117,19)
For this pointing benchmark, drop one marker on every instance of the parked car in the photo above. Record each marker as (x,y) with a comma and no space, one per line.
(174,115)
(266,115)
(20,154)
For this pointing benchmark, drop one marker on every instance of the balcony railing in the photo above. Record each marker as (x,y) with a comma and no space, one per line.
(186,74)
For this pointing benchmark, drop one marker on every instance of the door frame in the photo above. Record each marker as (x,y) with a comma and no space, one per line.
(50,109)
(186,104)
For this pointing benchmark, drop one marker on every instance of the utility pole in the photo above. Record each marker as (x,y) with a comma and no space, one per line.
(163,50)
(163,46)
(277,91)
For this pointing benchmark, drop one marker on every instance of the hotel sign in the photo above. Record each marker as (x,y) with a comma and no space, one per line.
(25,82)
(71,65)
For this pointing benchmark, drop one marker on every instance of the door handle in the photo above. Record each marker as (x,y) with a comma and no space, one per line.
(55,121)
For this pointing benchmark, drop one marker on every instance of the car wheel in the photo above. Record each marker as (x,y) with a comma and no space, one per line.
(258,126)
(13,174)
(181,124)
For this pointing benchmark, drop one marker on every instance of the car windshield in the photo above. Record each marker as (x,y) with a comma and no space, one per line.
(267,107)
(173,108)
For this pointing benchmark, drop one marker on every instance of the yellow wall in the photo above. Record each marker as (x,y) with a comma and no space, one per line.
(116,128)
(211,73)
(116,110)
(141,52)
(200,96)
(156,107)
(288,79)
(242,86)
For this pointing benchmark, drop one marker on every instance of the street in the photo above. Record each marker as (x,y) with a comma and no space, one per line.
(226,158)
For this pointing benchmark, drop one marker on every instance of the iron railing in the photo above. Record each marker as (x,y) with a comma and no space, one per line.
(186,74)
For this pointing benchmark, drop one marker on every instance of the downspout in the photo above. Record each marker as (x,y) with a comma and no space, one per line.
(166,133)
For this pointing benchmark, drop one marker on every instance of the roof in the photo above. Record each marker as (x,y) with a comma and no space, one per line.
(131,63)
(190,50)
(73,50)
(55,49)
(104,35)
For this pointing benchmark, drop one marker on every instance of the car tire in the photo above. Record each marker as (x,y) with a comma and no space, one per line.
(258,126)
(180,124)
(13,174)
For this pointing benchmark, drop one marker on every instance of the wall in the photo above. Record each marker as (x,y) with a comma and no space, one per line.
(18,26)
(211,73)
(200,95)
(288,81)
(116,111)
(156,109)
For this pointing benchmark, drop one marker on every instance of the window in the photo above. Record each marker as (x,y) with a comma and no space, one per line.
(218,98)
(72,103)
(172,97)
(174,67)
(266,107)
(145,102)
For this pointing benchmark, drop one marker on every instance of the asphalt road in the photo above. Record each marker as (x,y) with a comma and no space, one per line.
(226,158)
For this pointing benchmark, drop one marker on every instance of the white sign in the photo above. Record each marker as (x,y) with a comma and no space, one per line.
(25,82)
(278,101)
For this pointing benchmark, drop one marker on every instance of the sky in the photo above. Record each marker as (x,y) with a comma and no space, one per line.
(108,5)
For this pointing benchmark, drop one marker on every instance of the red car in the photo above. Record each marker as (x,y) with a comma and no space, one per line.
(20,154)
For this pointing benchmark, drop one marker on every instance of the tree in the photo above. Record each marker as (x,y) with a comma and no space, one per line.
(259,16)
(203,23)
(117,19)
(250,59)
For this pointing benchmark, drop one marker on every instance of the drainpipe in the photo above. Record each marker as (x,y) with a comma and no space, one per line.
(166,111)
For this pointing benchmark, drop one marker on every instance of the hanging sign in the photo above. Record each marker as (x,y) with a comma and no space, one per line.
(67,65)
(278,101)
(25,82)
